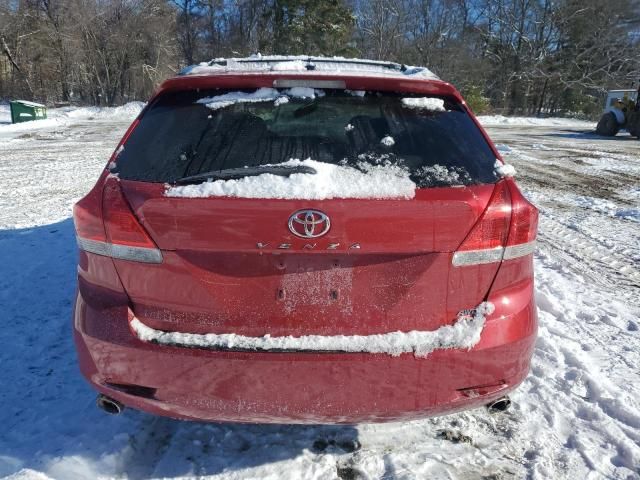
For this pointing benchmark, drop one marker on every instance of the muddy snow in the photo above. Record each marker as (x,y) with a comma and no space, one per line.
(576,416)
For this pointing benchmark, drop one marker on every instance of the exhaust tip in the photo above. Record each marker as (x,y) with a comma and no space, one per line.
(500,405)
(109,405)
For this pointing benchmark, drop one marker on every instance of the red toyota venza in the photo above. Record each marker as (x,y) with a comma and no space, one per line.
(304,240)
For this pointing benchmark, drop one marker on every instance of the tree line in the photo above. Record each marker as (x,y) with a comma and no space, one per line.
(510,56)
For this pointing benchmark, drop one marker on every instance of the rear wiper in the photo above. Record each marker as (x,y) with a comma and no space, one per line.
(305,110)
(235,173)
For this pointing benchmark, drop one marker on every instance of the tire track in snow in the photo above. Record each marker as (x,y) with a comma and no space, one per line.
(569,364)
(146,447)
(583,389)
(607,256)
(601,264)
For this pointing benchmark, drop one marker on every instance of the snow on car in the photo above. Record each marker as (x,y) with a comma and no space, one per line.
(256,236)
(575,416)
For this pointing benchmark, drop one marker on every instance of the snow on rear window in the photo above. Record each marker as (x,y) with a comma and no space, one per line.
(281,101)
(504,169)
(442,175)
(430,104)
(388,141)
(464,333)
(260,95)
(304,92)
(329,181)
(227,99)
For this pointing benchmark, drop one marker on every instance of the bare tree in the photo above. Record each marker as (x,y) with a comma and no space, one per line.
(521,56)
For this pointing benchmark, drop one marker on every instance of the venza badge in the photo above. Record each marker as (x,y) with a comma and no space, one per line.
(309,223)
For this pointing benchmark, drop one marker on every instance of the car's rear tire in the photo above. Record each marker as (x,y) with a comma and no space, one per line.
(608,125)
(633,124)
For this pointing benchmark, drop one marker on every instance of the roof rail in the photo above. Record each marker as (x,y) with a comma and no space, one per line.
(311,61)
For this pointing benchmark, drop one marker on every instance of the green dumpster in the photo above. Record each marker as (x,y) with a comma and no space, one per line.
(23,111)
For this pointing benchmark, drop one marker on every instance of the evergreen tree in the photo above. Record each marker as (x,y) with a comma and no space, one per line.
(313,27)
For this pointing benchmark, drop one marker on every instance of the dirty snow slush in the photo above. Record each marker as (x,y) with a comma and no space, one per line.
(576,416)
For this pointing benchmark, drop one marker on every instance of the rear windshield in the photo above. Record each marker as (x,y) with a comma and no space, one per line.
(189,133)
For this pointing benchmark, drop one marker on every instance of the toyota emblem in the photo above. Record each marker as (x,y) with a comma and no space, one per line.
(309,223)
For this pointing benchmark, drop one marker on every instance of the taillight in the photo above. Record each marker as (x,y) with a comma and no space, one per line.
(105,225)
(87,216)
(524,227)
(485,243)
(506,230)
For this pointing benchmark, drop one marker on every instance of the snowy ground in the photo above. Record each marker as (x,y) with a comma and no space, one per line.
(576,416)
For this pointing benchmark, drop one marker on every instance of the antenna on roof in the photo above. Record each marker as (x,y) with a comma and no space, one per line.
(310,65)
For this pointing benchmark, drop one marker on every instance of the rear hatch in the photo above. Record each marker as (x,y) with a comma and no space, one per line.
(304,211)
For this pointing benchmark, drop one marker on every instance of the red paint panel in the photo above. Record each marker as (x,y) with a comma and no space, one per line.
(249,80)
(436,220)
(215,279)
(289,294)
(301,387)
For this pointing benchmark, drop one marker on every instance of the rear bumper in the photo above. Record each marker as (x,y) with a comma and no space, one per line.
(270,387)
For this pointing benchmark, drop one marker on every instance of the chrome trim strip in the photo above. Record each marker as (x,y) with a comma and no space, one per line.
(491,255)
(517,251)
(94,246)
(122,252)
(477,257)
(137,254)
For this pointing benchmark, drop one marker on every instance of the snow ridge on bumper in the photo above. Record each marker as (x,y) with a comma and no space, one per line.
(464,333)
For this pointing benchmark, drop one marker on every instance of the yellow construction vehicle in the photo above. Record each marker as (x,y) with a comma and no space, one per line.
(622,110)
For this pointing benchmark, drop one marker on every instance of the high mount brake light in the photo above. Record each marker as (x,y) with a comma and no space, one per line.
(506,230)
(105,225)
